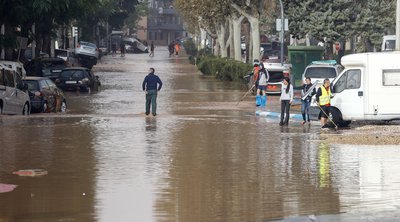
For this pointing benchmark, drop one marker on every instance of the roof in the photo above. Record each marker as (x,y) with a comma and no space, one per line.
(75,68)
(34,78)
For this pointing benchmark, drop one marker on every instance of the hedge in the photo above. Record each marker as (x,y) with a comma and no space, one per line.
(223,68)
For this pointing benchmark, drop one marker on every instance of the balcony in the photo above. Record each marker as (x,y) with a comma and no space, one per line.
(166,11)
(165,26)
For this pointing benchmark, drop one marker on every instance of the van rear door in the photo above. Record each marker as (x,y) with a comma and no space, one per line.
(349,94)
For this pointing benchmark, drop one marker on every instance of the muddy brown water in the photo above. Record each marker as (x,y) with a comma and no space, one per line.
(201,159)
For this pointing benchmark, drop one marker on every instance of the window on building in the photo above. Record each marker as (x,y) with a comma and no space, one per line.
(150,35)
(155,35)
(161,36)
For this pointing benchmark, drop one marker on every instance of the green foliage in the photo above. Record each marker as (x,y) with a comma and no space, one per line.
(190,47)
(222,68)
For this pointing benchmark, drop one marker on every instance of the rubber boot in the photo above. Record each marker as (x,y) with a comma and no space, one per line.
(263,101)
(258,100)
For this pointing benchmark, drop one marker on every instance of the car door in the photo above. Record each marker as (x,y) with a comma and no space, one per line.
(2,90)
(21,94)
(349,95)
(10,100)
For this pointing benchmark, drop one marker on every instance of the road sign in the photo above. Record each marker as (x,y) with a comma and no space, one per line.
(279,25)
(74,31)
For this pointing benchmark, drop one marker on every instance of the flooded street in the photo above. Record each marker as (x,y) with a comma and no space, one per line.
(202,159)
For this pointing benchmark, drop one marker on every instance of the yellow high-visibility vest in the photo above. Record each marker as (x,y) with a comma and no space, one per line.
(325,98)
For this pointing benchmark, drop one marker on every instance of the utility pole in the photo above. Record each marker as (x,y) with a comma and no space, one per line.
(283,30)
(398,26)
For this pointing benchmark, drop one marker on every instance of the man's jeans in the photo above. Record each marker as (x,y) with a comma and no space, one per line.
(151,98)
(305,110)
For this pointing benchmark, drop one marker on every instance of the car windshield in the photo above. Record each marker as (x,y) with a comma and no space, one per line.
(75,74)
(321,72)
(88,44)
(32,85)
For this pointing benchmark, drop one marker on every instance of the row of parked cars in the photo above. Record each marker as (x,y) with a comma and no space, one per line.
(40,88)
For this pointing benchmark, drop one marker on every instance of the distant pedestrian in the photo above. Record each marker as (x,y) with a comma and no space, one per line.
(122,48)
(113,49)
(177,48)
(286,101)
(171,48)
(151,85)
(324,101)
(263,78)
(306,102)
(151,49)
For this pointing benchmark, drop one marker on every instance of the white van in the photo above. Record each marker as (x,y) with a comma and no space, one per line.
(367,89)
(320,70)
(388,43)
(16,66)
(14,97)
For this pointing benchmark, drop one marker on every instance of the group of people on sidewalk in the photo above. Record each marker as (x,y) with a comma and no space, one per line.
(323,96)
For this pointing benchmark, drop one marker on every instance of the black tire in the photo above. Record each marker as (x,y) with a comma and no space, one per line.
(25,110)
(63,107)
(337,118)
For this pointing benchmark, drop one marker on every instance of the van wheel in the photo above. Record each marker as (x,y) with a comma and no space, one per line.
(25,110)
(337,118)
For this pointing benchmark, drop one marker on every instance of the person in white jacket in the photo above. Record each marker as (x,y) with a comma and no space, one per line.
(286,101)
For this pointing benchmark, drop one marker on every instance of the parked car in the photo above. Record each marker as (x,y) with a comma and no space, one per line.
(14,98)
(87,54)
(78,79)
(133,45)
(64,54)
(15,66)
(276,73)
(320,70)
(45,96)
(45,67)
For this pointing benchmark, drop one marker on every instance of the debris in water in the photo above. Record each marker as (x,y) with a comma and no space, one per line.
(31,172)
(4,188)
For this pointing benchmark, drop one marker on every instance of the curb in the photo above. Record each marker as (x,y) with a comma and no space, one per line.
(276,115)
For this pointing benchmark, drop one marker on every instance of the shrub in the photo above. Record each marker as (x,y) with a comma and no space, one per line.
(190,47)
(223,68)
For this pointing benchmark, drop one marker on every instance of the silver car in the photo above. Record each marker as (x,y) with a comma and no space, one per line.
(14,98)
(87,54)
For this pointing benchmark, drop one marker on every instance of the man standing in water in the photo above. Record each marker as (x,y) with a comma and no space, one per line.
(151,85)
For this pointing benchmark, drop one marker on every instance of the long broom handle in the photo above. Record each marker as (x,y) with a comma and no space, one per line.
(327,116)
(245,95)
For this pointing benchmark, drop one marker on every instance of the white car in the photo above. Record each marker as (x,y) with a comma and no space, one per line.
(87,54)
(14,98)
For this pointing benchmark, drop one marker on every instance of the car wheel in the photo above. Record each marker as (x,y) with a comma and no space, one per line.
(25,110)
(45,107)
(63,106)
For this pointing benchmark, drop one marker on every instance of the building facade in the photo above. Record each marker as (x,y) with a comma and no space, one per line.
(163,23)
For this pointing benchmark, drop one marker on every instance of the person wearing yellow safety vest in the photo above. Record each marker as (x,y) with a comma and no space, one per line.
(323,97)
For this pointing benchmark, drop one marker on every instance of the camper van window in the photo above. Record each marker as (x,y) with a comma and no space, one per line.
(353,79)
(340,84)
(391,77)
(321,72)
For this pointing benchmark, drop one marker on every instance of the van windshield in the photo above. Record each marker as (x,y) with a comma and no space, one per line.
(321,72)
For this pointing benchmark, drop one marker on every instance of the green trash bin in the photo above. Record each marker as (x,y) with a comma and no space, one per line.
(300,57)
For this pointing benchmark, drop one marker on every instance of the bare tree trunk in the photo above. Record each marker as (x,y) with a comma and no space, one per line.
(236,23)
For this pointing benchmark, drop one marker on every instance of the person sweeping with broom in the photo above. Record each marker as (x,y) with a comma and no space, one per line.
(323,98)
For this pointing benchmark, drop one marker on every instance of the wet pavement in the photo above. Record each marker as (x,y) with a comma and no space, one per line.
(201,159)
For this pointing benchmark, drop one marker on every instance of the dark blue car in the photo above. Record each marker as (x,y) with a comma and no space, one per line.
(78,79)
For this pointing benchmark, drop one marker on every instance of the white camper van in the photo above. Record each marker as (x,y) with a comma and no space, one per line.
(367,89)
